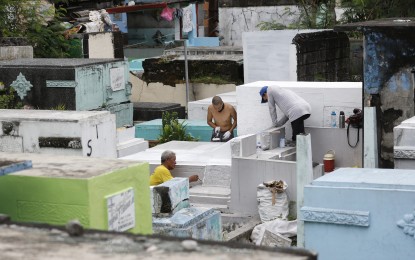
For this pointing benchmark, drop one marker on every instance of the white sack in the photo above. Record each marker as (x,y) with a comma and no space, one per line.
(266,210)
(282,227)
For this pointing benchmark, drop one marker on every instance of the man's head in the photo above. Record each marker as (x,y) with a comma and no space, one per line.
(264,95)
(168,159)
(217,103)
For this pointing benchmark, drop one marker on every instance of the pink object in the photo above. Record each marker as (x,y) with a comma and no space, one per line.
(167,13)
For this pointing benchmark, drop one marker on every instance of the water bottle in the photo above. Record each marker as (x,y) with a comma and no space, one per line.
(341,120)
(333,119)
(282,142)
(258,148)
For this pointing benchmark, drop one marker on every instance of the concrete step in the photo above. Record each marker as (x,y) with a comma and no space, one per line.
(216,191)
(131,146)
(209,199)
(222,208)
(210,195)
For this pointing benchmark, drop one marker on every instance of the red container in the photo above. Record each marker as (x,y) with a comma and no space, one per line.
(328,161)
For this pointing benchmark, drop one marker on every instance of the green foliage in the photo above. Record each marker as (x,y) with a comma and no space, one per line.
(320,14)
(365,10)
(39,23)
(173,130)
(316,14)
(266,26)
(210,80)
(59,107)
(8,98)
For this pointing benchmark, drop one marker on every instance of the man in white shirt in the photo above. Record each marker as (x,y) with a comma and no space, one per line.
(295,108)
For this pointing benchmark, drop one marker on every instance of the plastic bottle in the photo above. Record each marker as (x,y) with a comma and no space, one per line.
(282,142)
(341,120)
(258,148)
(333,119)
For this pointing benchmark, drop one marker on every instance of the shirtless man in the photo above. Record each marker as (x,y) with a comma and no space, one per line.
(222,118)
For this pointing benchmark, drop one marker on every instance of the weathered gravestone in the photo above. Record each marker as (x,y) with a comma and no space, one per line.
(71,84)
(87,133)
(104,194)
(15,48)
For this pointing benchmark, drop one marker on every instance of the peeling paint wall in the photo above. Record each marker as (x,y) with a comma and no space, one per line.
(234,21)
(389,83)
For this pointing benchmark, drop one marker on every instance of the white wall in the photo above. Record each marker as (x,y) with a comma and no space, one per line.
(198,109)
(248,173)
(234,21)
(253,117)
(270,55)
(96,130)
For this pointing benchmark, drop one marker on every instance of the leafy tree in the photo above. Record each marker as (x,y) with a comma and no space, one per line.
(173,130)
(321,13)
(8,98)
(317,13)
(365,10)
(36,21)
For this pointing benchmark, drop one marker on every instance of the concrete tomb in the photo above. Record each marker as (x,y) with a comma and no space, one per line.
(145,111)
(87,133)
(170,196)
(152,129)
(210,160)
(72,84)
(249,169)
(102,194)
(173,216)
(404,144)
(355,213)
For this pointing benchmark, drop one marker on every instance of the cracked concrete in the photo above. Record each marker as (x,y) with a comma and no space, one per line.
(48,242)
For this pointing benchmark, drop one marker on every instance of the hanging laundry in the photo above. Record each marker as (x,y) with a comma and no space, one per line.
(187,19)
(179,13)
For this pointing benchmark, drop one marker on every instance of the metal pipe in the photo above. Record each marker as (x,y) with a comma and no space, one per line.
(186,70)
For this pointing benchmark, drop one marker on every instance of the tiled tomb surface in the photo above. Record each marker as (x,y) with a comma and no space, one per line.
(76,84)
(105,194)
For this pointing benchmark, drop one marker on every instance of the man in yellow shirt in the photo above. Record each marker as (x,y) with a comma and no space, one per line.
(162,173)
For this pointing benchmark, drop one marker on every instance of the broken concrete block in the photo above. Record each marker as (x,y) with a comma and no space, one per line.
(7,166)
(195,222)
(168,195)
(275,240)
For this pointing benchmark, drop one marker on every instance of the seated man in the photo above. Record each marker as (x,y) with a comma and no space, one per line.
(162,173)
(222,118)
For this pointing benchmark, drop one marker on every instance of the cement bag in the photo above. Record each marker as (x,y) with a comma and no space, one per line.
(272,200)
(277,226)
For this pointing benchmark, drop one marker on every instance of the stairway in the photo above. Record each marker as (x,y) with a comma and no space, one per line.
(215,192)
